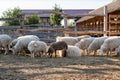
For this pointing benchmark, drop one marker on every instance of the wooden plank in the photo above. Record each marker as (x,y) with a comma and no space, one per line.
(115,22)
(83,32)
(43,30)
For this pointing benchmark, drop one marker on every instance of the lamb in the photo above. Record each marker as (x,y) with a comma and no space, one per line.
(60,45)
(37,47)
(74,51)
(84,43)
(5,41)
(95,45)
(22,44)
(109,44)
(68,40)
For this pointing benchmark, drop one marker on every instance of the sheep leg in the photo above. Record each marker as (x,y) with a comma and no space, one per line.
(6,50)
(45,53)
(32,55)
(19,52)
(86,52)
(41,54)
(24,53)
(55,53)
(64,53)
(111,52)
(95,52)
(50,55)
(107,53)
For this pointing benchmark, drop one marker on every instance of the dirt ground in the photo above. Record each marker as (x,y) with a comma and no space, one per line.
(13,67)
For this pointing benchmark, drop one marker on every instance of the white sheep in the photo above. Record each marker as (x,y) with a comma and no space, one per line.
(84,43)
(117,50)
(109,45)
(95,45)
(82,36)
(21,37)
(5,41)
(74,51)
(22,44)
(35,47)
(68,40)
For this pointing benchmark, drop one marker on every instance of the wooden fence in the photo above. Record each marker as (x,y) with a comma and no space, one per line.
(44,33)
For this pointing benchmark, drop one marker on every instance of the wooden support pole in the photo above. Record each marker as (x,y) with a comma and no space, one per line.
(75,28)
(105,21)
(21,22)
(65,24)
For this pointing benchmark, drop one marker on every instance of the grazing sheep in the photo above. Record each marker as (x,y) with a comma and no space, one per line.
(95,45)
(110,44)
(21,37)
(61,45)
(68,40)
(13,42)
(22,44)
(117,50)
(74,51)
(37,47)
(84,43)
(5,41)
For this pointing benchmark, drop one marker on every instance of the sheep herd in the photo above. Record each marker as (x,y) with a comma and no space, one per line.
(64,46)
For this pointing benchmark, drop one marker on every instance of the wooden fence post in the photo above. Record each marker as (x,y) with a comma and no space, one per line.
(65,24)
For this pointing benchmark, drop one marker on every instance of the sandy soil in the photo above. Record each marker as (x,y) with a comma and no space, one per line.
(14,67)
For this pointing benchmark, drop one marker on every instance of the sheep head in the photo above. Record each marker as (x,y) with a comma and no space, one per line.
(50,51)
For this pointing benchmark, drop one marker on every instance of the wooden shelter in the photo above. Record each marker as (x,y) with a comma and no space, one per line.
(95,24)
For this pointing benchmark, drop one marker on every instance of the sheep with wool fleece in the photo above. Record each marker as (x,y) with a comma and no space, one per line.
(74,51)
(35,47)
(84,43)
(96,44)
(68,40)
(82,37)
(21,37)
(109,44)
(60,45)
(117,50)
(22,44)
(5,42)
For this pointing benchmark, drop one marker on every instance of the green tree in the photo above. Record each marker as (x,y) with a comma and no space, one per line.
(11,13)
(55,19)
(32,19)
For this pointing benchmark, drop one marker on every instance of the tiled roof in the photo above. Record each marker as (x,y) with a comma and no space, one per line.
(71,12)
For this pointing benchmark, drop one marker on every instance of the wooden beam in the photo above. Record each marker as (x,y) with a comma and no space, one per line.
(83,32)
(42,30)
(82,15)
